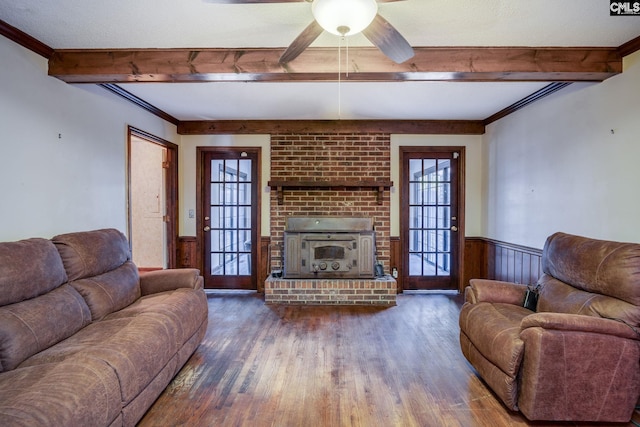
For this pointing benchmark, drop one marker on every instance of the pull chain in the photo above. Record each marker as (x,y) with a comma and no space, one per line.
(346,62)
(345,40)
(340,78)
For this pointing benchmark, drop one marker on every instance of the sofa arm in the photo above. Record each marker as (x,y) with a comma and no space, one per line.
(483,290)
(168,280)
(580,323)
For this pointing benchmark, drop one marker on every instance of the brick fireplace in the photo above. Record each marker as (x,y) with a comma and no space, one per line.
(348,168)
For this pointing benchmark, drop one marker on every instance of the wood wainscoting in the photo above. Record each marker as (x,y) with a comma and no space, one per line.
(187,257)
(492,259)
(486,259)
(264,266)
(395,260)
(187,252)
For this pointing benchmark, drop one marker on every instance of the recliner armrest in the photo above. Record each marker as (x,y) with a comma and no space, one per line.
(580,323)
(578,367)
(168,280)
(484,290)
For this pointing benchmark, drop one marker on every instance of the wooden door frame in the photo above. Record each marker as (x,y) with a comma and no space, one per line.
(200,214)
(404,227)
(171,189)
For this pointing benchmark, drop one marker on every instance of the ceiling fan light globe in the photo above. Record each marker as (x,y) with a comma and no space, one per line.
(336,15)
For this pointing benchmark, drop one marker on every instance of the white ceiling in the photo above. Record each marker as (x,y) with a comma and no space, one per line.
(64,24)
(324,101)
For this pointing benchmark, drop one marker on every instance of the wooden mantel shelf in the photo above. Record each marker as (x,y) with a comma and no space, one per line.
(280,186)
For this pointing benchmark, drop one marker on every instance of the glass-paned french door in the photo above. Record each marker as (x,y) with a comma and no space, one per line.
(430,218)
(229,219)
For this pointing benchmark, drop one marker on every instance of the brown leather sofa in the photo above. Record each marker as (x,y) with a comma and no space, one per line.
(85,340)
(577,357)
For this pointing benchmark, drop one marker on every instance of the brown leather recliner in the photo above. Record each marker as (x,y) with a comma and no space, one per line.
(577,358)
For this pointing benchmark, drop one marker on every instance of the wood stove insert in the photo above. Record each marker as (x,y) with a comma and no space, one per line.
(329,248)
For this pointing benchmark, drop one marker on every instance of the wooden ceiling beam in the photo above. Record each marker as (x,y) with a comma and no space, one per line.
(437,127)
(320,64)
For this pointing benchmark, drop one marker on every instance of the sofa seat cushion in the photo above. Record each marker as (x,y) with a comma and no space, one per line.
(33,325)
(137,348)
(186,309)
(110,291)
(79,391)
(494,330)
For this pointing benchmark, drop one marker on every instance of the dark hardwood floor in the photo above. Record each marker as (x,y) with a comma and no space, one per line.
(272,365)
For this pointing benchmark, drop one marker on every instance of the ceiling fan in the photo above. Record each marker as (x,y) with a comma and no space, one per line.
(344,18)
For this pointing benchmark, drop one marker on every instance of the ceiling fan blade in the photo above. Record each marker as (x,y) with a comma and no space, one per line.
(386,38)
(274,1)
(251,1)
(301,42)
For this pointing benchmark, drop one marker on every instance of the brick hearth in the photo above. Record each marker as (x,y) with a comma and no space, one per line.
(380,291)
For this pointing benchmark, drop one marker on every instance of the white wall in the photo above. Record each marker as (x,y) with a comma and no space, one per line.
(569,163)
(188,177)
(63,150)
(473,176)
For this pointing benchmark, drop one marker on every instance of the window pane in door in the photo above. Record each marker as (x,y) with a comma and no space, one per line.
(444,217)
(216,264)
(415,193)
(245,170)
(415,169)
(244,217)
(244,196)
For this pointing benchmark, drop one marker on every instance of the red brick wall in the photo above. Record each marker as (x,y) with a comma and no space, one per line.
(326,157)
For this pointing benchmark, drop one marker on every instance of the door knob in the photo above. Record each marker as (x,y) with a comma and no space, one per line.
(454,228)
(207,228)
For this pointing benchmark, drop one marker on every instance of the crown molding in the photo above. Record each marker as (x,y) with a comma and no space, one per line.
(25,40)
(545,91)
(140,102)
(629,47)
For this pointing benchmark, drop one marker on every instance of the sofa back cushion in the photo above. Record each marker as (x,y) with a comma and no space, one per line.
(598,266)
(110,291)
(30,326)
(90,253)
(559,297)
(99,267)
(29,268)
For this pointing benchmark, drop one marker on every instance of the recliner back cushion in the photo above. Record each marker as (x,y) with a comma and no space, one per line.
(29,268)
(30,326)
(99,266)
(558,297)
(90,253)
(603,267)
